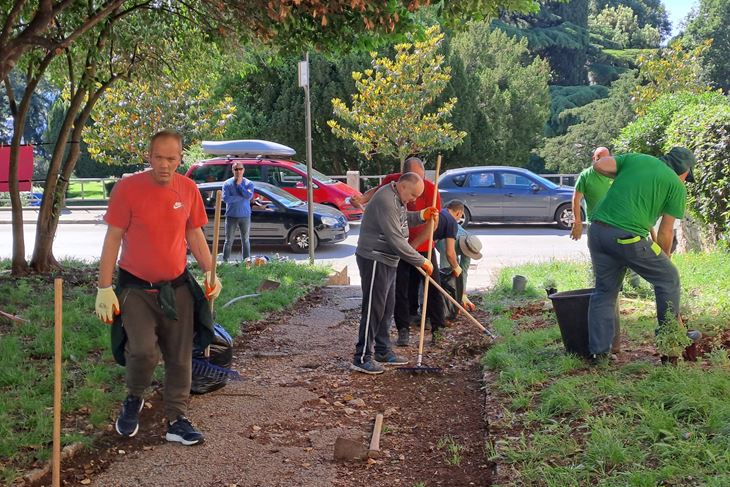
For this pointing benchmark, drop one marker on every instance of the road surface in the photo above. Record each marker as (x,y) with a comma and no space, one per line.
(502,245)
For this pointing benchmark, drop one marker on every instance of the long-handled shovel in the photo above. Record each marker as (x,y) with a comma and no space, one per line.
(458,305)
(203,367)
(57,350)
(420,368)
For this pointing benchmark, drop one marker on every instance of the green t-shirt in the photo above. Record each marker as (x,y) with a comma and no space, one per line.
(594,187)
(644,189)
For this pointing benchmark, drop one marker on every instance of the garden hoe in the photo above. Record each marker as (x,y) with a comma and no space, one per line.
(203,367)
(350,450)
(458,305)
(419,367)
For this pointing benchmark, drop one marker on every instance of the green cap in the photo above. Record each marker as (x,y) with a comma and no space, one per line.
(681,160)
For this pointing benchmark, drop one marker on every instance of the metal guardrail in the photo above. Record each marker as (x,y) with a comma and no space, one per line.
(561,179)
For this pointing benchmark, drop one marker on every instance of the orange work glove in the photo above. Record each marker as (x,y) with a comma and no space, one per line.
(429,213)
(107,304)
(467,304)
(212,289)
(427,266)
(456,272)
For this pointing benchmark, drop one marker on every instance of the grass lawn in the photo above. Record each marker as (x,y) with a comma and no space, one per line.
(628,423)
(93,383)
(93,190)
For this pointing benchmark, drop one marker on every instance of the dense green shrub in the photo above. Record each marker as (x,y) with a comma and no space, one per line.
(647,134)
(706,131)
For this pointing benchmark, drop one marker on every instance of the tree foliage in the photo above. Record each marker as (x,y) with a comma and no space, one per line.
(620,26)
(564,98)
(706,131)
(558,33)
(504,97)
(648,12)
(599,123)
(179,96)
(675,68)
(711,22)
(390,112)
(648,133)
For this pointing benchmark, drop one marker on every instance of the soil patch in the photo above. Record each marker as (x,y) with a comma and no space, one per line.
(279,426)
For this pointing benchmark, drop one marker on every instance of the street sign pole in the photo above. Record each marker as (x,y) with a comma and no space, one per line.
(304,83)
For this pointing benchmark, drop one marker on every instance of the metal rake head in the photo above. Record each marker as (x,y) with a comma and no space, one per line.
(203,368)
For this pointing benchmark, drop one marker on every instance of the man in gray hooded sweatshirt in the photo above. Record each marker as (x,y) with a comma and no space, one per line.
(383,242)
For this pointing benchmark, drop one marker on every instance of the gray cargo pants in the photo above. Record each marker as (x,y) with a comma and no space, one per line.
(613,251)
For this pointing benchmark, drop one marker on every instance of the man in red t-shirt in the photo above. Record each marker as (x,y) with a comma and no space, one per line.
(408,279)
(154,216)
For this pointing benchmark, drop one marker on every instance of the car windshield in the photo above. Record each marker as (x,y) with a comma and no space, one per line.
(321,178)
(281,197)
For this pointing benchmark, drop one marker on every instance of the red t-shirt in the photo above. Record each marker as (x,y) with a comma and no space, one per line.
(422,202)
(155,218)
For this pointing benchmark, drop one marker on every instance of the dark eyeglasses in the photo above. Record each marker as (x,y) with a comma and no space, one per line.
(238,169)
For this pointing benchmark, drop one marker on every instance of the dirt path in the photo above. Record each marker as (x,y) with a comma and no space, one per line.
(278,428)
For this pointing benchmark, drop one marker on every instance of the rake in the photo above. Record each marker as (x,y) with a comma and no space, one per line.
(419,367)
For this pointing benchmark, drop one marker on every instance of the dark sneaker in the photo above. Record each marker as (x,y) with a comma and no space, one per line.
(390,358)
(127,423)
(182,431)
(370,367)
(404,337)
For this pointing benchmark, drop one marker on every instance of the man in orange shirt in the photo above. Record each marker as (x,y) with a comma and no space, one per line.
(408,279)
(154,216)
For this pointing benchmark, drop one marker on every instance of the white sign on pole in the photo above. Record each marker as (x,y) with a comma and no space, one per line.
(303,74)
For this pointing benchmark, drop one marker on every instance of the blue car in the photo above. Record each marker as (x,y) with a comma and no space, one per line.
(507,195)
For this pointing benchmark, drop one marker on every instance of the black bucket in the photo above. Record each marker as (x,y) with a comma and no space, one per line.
(571,309)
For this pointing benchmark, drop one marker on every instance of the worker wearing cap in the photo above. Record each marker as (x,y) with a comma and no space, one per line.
(644,188)
(467,247)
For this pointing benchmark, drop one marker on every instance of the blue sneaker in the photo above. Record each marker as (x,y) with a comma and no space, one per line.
(127,423)
(370,367)
(390,358)
(182,431)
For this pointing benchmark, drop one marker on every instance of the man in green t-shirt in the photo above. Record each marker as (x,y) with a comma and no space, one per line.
(592,186)
(644,188)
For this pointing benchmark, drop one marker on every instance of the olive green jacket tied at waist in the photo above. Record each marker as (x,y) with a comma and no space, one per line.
(203,319)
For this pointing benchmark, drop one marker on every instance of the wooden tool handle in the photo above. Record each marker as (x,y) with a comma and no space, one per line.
(457,304)
(216,238)
(424,307)
(58,350)
(375,439)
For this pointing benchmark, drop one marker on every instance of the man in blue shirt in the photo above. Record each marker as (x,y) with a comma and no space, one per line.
(237,193)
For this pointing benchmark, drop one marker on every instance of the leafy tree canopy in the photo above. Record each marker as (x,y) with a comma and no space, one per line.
(620,27)
(648,12)
(390,112)
(711,21)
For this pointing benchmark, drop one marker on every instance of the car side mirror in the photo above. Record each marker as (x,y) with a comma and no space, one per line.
(535,187)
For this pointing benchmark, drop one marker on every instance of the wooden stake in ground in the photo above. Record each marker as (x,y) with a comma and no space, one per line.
(58,332)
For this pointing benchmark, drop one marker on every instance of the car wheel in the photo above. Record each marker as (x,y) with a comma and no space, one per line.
(466,219)
(564,217)
(299,240)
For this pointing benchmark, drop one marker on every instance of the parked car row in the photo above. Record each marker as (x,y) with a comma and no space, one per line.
(279,215)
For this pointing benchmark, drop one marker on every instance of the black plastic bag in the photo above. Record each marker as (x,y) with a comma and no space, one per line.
(455,287)
(221,355)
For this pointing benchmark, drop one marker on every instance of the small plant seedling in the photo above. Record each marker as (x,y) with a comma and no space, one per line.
(453,450)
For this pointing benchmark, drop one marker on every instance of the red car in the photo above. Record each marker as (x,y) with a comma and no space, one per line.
(266,161)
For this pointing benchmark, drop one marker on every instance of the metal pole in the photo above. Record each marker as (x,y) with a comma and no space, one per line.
(310,190)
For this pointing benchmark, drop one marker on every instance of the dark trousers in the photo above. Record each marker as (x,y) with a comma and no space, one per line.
(150,332)
(378,299)
(612,252)
(408,282)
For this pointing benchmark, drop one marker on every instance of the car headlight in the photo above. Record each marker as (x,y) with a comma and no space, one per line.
(329,221)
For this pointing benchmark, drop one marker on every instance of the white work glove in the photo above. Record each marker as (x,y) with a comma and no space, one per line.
(212,290)
(456,271)
(107,304)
